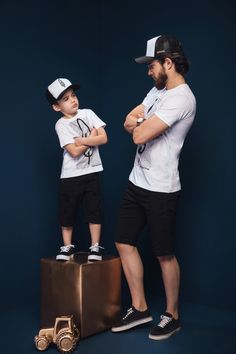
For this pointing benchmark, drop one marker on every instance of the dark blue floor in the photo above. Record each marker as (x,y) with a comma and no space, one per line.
(205,330)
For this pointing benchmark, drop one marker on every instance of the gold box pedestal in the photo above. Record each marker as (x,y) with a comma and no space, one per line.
(91,291)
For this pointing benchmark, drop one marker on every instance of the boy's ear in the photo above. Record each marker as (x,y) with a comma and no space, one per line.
(56,107)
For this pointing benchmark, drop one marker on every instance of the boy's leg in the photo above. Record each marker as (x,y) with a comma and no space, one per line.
(67,234)
(92,214)
(66,251)
(69,194)
(94,250)
(95,232)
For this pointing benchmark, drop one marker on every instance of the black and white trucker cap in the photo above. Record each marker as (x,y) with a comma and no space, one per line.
(160,47)
(57,88)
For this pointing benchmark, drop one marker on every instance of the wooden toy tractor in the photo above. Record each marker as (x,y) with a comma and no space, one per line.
(64,334)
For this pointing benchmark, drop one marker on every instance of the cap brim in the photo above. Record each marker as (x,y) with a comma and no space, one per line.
(73,86)
(143,60)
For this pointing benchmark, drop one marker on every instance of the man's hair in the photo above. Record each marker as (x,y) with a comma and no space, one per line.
(181,63)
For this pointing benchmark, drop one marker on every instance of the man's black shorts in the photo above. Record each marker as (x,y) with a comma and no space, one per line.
(157,210)
(76,191)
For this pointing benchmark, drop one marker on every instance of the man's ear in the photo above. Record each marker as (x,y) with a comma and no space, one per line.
(56,107)
(168,63)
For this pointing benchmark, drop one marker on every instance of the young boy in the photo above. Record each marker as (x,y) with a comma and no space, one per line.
(80,132)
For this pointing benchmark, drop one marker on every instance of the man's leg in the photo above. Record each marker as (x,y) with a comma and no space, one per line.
(132,219)
(133,269)
(169,321)
(138,314)
(171,279)
(162,227)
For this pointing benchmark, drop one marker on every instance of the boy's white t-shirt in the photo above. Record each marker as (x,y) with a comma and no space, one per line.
(79,126)
(156,162)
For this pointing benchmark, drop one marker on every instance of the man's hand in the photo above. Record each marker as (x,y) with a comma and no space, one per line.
(149,130)
(131,119)
(132,122)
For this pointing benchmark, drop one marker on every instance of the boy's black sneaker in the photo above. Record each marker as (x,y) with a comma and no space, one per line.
(95,253)
(132,319)
(165,328)
(66,253)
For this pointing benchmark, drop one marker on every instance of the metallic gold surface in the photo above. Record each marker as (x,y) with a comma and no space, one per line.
(91,291)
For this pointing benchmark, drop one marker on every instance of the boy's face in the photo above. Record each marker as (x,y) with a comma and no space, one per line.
(68,104)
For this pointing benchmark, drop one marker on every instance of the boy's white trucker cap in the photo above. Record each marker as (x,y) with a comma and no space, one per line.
(160,47)
(57,88)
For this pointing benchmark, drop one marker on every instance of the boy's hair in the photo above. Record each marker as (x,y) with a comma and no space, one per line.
(57,89)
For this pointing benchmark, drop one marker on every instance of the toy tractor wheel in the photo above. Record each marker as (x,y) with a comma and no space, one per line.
(76,333)
(41,343)
(65,342)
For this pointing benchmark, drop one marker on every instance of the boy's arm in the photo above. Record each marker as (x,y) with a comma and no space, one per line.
(131,119)
(75,151)
(97,137)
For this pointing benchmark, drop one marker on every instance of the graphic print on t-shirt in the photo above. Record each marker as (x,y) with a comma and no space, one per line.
(83,130)
(144,151)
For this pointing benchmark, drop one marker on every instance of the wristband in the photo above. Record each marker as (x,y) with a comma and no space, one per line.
(139,121)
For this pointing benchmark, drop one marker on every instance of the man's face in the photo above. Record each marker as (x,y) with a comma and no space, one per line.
(158,74)
(68,104)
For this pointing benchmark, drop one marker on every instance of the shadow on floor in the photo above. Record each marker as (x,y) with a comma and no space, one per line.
(205,330)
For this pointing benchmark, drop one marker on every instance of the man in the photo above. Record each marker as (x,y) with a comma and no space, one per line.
(159,126)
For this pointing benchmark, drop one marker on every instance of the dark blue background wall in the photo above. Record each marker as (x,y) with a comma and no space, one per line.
(95,43)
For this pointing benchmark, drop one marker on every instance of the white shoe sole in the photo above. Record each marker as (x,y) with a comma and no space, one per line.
(94,258)
(62,257)
(131,325)
(163,336)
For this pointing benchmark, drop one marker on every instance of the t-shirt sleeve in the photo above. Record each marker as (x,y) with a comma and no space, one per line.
(173,109)
(149,95)
(63,134)
(95,120)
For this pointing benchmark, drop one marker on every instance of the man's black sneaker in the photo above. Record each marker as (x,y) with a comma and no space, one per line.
(66,253)
(132,319)
(165,328)
(95,253)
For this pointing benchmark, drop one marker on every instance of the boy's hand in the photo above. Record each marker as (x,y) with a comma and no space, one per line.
(78,141)
(94,132)
(82,141)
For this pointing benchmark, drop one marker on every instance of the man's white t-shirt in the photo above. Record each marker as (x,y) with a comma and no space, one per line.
(156,162)
(79,126)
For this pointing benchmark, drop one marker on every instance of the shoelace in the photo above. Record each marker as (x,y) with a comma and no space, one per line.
(95,247)
(66,248)
(164,321)
(129,311)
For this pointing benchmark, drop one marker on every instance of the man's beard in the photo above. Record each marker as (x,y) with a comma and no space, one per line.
(160,82)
